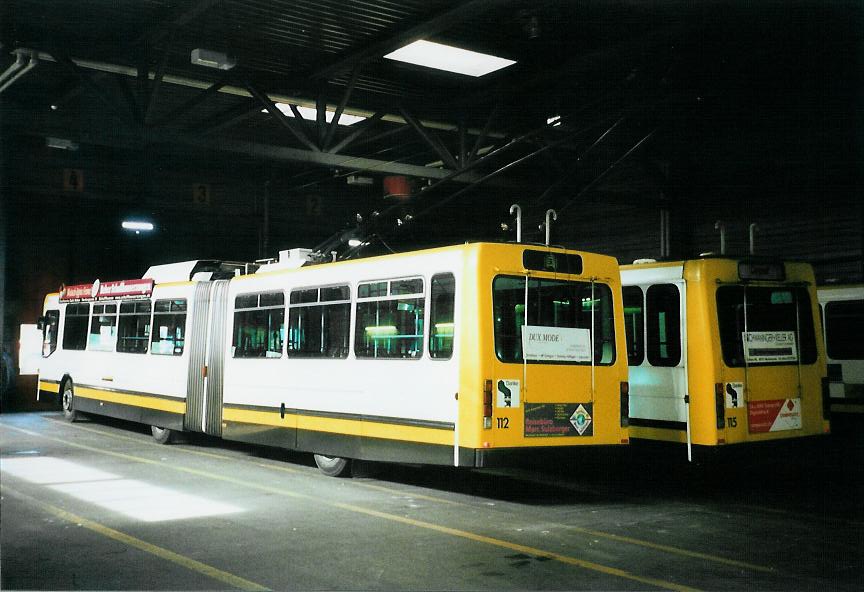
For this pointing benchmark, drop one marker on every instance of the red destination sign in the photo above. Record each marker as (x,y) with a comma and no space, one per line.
(103,290)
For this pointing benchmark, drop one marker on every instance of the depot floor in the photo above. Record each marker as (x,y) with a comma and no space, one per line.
(98,505)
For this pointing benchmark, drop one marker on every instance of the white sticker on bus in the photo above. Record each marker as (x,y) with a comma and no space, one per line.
(770,346)
(507,393)
(556,344)
(734,395)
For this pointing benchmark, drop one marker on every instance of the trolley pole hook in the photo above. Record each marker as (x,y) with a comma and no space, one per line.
(518,209)
(550,215)
(753,228)
(718,225)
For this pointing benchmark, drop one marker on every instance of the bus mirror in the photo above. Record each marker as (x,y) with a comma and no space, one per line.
(41,322)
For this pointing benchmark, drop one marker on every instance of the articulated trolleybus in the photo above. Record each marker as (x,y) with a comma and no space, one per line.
(723,351)
(459,355)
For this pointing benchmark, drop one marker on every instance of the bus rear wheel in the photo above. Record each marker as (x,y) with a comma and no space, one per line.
(333,466)
(67,400)
(162,435)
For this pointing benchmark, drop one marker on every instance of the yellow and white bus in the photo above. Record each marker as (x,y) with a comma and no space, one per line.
(723,351)
(463,355)
(843,320)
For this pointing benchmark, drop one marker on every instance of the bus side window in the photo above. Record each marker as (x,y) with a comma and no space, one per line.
(390,324)
(634,324)
(259,325)
(134,327)
(49,332)
(75,326)
(318,322)
(103,328)
(169,327)
(441,330)
(663,308)
(844,325)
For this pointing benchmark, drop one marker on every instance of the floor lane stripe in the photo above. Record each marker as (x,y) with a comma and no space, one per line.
(162,553)
(613,571)
(595,533)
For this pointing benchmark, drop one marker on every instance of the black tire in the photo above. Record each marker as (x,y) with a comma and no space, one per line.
(162,435)
(67,400)
(333,466)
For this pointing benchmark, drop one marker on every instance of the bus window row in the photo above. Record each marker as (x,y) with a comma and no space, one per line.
(124,327)
(316,322)
(653,322)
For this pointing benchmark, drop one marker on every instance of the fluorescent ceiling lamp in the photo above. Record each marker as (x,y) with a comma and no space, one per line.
(212,59)
(136,225)
(61,144)
(311,113)
(449,58)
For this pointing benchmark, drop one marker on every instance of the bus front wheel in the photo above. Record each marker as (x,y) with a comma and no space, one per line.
(67,399)
(333,466)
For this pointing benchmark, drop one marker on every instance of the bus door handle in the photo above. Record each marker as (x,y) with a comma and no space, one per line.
(108,378)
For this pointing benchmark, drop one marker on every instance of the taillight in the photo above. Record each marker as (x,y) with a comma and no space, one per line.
(487,405)
(625,404)
(720,404)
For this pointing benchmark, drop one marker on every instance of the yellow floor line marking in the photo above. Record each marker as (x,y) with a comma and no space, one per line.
(533,551)
(148,441)
(162,553)
(673,550)
(392,517)
(595,533)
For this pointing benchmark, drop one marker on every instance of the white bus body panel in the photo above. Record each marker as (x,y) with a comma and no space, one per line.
(852,370)
(146,373)
(29,350)
(422,389)
(658,393)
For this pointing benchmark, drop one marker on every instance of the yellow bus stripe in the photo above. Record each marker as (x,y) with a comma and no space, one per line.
(352,427)
(383,515)
(162,553)
(85,392)
(51,387)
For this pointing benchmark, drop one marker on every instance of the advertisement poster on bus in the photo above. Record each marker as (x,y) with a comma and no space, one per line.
(774,416)
(556,344)
(769,347)
(102,290)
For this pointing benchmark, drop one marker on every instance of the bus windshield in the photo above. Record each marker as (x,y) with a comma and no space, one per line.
(776,328)
(552,303)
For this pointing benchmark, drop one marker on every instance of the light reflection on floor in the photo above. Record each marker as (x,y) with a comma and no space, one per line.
(133,498)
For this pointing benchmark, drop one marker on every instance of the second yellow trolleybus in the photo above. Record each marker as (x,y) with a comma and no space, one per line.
(723,351)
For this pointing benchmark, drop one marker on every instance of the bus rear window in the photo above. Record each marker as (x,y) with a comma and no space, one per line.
(552,303)
(775,328)
(844,325)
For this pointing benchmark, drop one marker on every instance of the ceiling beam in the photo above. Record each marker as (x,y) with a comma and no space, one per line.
(319,158)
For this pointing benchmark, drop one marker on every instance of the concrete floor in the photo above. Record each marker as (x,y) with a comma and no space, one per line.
(98,505)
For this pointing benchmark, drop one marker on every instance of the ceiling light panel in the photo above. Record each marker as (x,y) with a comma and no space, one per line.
(311,114)
(448,58)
